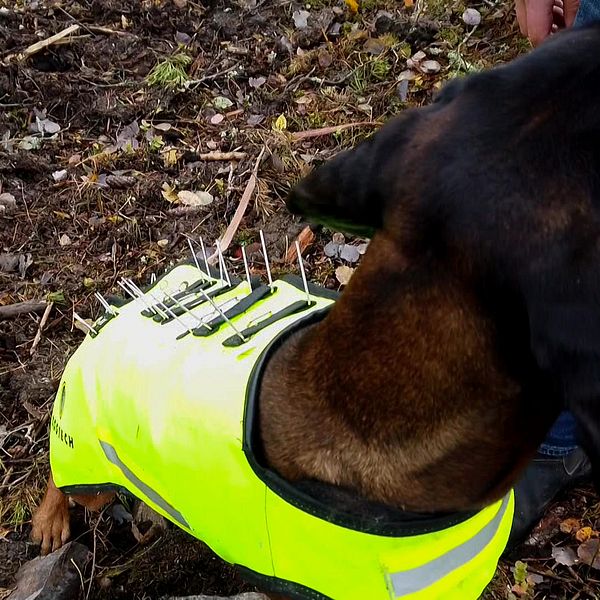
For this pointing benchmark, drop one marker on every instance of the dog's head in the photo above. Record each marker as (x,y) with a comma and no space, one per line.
(498,183)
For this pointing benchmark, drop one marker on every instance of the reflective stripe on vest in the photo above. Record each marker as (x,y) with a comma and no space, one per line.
(152,408)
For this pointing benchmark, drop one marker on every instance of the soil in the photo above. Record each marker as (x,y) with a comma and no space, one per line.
(95,144)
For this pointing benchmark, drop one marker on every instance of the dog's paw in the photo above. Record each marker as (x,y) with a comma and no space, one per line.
(50,524)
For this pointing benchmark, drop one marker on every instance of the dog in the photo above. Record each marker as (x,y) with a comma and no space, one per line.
(472,321)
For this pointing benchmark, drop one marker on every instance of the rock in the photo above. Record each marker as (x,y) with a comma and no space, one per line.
(246,596)
(53,577)
(8,203)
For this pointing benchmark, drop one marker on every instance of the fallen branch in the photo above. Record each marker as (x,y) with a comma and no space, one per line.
(29,306)
(38,335)
(53,39)
(216,155)
(299,136)
(239,211)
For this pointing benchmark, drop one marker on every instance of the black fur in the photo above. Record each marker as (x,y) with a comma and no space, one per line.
(498,183)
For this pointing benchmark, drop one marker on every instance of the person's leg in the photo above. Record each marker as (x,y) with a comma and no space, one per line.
(562,438)
(558,465)
(589,11)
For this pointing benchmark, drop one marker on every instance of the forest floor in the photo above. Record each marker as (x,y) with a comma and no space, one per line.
(113,150)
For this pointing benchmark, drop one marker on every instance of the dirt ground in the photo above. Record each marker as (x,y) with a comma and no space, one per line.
(111,154)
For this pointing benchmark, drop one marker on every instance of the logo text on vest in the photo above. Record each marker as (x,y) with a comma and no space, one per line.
(61,433)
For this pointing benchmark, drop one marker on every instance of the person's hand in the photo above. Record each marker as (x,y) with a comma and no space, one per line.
(539,18)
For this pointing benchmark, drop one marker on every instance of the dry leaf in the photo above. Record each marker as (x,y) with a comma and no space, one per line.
(280,123)
(589,553)
(300,18)
(564,556)
(169,193)
(343,274)
(585,533)
(408,3)
(570,525)
(64,240)
(349,253)
(256,82)
(194,198)
(430,66)
(305,238)
(79,325)
(352,5)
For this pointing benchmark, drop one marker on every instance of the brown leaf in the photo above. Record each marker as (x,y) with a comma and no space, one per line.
(343,274)
(305,238)
(570,525)
(589,553)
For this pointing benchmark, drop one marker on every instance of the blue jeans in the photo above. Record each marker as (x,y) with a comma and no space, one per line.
(562,438)
(589,11)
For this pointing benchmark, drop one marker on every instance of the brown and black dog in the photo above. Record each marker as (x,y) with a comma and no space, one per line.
(474,317)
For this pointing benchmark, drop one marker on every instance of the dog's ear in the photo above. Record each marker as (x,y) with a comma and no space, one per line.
(349,192)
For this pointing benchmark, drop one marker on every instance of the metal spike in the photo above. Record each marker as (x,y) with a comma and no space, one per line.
(195,259)
(126,290)
(184,308)
(169,311)
(304,282)
(204,255)
(214,305)
(107,307)
(86,325)
(264,249)
(246,267)
(135,291)
(222,265)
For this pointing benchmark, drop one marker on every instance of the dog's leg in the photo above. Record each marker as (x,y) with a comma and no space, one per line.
(50,523)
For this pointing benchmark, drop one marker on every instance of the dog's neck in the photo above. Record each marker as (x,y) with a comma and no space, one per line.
(390,395)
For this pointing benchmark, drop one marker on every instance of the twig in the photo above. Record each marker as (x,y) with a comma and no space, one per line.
(38,335)
(239,211)
(216,155)
(35,48)
(298,136)
(29,306)
(108,31)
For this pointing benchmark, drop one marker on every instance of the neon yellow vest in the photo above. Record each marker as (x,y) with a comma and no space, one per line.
(147,406)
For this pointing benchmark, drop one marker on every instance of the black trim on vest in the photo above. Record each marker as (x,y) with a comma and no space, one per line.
(376,519)
(275,585)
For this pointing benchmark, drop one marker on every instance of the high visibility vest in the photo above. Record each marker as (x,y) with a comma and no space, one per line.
(160,401)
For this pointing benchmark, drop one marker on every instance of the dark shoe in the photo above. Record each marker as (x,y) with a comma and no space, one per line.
(543,480)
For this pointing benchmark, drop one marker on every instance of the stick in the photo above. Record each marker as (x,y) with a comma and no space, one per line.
(35,48)
(13,310)
(239,211)
(38,335)
(312,133)
(223,156)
